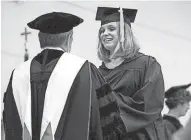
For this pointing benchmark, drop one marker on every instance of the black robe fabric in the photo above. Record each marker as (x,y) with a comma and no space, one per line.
(172,124)
(139,92)
(73,122)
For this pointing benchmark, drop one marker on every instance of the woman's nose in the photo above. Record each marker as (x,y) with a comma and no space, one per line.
(105,32)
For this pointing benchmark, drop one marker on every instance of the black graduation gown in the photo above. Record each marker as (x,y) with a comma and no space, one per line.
(73,122)
(139,92)
(172,124)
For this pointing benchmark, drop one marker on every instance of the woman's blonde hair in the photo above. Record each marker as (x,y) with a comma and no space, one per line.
(55,40)
(127,50)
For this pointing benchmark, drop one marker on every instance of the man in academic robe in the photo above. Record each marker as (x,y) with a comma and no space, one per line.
(53,95)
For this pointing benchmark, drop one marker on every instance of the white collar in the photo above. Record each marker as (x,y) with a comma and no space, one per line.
(53,48)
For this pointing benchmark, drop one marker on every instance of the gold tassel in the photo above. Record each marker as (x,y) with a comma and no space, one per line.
(121,28)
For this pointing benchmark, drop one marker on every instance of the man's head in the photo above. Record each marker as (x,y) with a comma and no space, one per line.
(178,98)
(62,40)
(56,29)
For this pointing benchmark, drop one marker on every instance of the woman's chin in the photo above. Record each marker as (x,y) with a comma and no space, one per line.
(109,47)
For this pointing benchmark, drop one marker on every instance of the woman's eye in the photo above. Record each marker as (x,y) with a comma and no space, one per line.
(111,28)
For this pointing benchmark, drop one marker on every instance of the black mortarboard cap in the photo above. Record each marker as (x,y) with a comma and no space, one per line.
(55,22)
(178,91)
(109,14)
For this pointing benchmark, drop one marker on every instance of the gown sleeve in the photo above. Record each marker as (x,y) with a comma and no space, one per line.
(12,125)
(111,125)
(96,82)
(145,106)
(104,124)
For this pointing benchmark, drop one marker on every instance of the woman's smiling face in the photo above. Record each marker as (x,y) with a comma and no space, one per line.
(109,35)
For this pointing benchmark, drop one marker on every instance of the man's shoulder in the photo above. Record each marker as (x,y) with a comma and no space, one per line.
(90,66)
(22,66)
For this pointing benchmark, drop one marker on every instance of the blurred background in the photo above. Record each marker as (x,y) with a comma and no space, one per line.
(162,29)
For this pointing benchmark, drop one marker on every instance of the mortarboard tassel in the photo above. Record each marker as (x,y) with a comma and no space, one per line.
(121,28)
(26,56)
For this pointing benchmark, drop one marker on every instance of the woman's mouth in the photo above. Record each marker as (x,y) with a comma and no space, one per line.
(107,39)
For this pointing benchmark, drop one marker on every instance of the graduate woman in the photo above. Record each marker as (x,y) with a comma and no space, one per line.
(135,78)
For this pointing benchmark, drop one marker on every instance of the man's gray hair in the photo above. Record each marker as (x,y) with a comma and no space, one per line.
(55,40)
(130,48)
